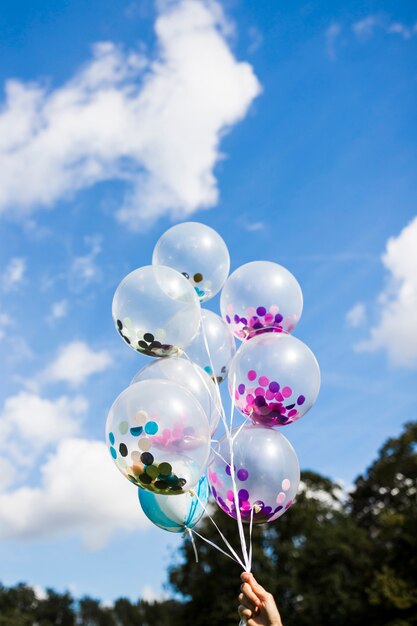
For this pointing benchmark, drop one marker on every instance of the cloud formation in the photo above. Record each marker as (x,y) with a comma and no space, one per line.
(30,423)
(153,122)
(332,34)
(80,493)
(396,329)
(356,316)
(14,273)
(75,363)
(365,28)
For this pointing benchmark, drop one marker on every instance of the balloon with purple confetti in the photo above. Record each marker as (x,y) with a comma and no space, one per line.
(259,297)
(275,379)
(266,472)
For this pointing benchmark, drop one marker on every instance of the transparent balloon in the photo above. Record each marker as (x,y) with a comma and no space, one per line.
(158,436)
(199,253)
(259,297)
(156,311)
(183,372)
(276,379)
(266,472)
(220,342)
(175,514)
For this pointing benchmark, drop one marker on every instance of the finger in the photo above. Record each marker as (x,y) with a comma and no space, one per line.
(260,592)
(244,612)
(246,602)
(249,593)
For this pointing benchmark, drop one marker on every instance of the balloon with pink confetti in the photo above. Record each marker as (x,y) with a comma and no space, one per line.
(266,473)
(158,436)
(259,297)
(275,379)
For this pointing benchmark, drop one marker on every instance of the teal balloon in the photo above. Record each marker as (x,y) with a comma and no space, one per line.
(175,513)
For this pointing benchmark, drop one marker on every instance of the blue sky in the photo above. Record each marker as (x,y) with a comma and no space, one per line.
(290,129)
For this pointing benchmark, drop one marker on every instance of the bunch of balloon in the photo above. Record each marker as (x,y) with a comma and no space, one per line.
(159,430)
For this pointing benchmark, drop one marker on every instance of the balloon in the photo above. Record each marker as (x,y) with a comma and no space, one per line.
(220,342)
(159,436)
(188,375)
(276,379)
(175,514)
(156,311)
(266,471)
(199,253)
(261,296)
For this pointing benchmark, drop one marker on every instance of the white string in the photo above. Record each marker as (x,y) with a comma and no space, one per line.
(220,456)
(238,430)
(250,538)
(214,545)
(189,531)
(216,382)
(235,493)
(228,430)
(219,404)
(226,542)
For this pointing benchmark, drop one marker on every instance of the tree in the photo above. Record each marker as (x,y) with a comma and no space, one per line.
(91,613)
(17,605)
(384,503)
(56,609)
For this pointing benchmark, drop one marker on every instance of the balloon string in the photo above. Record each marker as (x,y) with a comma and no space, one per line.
(193,507)
(235,493)
(226,542)
(216,382)
(219,404)
(250,538)
(228,429)
(220,456)
(214,545)
(238,431)
(190,533)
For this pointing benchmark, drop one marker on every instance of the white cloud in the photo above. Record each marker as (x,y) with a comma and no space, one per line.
(40,592)
(364,29)
(30,423)
(397,28)
(58,310)
(14,273)
(5,321)
(74,364)
(396,329)
(356,315)
(254,226)
(155,123)
(84,269)
(332,34)
(80,493)
(149,594)
(256,39)
(7,473)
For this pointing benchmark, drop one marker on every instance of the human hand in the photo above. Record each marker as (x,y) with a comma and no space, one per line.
(257,607)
